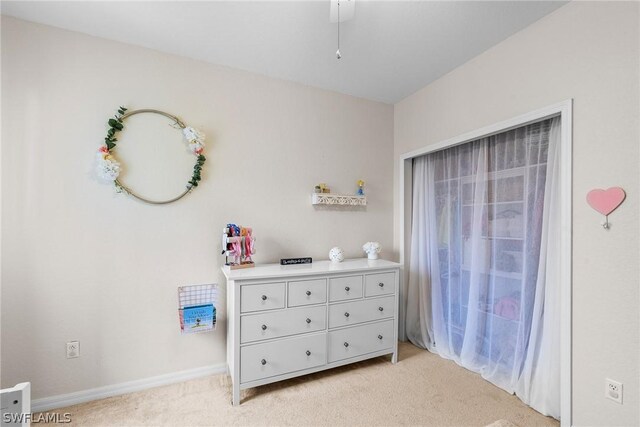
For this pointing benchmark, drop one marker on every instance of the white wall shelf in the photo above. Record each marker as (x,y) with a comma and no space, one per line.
(338,199)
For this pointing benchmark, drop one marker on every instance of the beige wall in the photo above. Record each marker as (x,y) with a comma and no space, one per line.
(588,52)
(82,263)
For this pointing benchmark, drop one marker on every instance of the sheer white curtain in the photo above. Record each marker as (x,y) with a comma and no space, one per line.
(483,267)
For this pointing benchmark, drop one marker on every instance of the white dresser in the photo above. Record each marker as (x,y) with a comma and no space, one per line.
(286,321)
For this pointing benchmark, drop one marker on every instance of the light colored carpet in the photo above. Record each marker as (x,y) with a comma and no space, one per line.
(502,423)
(422,389)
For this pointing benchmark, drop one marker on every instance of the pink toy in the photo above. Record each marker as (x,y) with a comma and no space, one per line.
(239,244)
(606,201)
(236,248)
(507,307)
(249,247)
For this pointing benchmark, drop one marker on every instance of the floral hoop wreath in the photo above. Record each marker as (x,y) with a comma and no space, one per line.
(109,168)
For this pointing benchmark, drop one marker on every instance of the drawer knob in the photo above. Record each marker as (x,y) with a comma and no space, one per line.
(264,362)
(264,327)
(308,293)
(264,297)
(308,353)
(381,284)
(346,344)
(308,320)
(346,314)
(346,288)
(380,308)
(379,337)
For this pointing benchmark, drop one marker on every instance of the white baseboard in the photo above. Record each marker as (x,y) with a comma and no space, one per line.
(63,400)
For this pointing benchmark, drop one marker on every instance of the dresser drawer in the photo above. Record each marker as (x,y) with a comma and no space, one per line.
(345,288)
(280,357)
(256,327)
(359,340)
(305,292)
(261,297)
(379,284)
(351,313)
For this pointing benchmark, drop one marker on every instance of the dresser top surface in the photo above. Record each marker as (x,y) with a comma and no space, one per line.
(263,271)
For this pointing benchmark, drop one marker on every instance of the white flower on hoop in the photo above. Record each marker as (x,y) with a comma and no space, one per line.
(108,167)
(195,138)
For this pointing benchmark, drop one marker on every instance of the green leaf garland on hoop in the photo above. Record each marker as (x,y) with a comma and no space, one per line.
(108,167)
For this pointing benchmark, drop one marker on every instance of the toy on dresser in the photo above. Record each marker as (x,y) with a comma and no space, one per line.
(238,244)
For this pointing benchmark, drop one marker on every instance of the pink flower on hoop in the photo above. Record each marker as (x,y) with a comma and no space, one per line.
(103,149)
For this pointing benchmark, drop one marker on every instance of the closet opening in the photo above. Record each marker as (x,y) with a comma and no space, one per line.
(485,230)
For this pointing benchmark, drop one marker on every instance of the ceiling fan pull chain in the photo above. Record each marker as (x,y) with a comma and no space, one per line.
(338,54)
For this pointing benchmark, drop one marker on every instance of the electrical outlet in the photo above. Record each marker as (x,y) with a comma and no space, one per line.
(613,390)
(73,349)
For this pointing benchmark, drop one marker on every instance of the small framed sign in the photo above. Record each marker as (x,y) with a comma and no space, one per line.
(293,261)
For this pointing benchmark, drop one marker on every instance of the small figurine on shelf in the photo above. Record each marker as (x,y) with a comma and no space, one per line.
(317,189)
(360,191)
(324,188)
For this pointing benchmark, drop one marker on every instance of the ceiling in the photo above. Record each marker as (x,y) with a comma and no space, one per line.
(390,49)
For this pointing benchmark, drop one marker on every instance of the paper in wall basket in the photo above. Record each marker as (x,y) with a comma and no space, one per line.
(197,308)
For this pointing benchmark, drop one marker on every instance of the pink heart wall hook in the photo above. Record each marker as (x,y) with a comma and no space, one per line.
(606,201)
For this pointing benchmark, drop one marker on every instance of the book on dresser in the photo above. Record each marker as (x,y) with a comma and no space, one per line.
(285,321)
